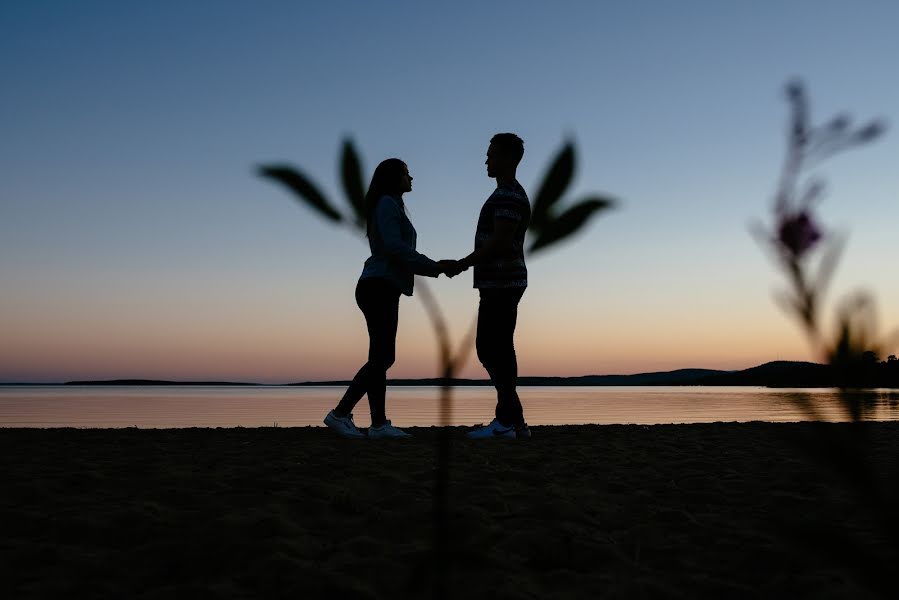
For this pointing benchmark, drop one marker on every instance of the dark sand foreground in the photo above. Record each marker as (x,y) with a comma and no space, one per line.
(679,511)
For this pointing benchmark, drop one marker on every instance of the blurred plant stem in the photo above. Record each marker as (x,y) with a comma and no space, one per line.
(794,240)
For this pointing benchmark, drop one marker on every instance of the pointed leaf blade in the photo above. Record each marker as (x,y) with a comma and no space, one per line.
(800,128)
(569,222)
(353,185)
(554,184)
(828,264)
(300,185)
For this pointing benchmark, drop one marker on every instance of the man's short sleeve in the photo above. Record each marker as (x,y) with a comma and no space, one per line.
(508,205)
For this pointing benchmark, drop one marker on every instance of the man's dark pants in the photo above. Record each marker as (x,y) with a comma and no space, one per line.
(497,315)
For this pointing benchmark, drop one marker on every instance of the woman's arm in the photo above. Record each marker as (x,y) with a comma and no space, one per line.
(389,219)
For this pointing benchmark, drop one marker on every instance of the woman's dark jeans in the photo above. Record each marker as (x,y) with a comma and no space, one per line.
(379,301)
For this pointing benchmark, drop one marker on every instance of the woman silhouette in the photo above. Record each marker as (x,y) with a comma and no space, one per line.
(387,273)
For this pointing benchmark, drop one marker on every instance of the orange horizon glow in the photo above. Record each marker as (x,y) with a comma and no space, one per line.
(283,355)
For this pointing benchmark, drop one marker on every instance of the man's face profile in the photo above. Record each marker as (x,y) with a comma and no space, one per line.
(494,160)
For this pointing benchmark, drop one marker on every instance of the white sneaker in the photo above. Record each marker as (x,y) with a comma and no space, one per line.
(344,426)
(386,431)
(495,430)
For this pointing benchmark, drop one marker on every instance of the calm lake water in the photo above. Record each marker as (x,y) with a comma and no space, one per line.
(226,406)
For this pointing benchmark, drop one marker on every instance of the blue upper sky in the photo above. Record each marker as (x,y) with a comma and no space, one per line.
(135,239)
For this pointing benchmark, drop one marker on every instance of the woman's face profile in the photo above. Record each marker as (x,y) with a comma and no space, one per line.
(405,181)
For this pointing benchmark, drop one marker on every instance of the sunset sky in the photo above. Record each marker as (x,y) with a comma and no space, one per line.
(136,240)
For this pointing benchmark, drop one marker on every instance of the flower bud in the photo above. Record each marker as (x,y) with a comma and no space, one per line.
(798,233)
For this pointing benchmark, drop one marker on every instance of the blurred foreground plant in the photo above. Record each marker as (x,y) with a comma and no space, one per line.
(807,253)
(549,225)
(796,233)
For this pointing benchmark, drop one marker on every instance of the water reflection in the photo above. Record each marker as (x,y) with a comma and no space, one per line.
(221,406)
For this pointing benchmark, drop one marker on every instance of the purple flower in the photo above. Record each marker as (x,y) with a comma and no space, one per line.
(798,233)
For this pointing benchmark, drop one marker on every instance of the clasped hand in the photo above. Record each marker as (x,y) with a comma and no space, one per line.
(451,268)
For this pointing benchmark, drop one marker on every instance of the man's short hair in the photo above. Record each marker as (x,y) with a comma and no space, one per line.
(510,145)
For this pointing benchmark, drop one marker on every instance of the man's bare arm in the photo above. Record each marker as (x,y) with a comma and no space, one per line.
(498,246)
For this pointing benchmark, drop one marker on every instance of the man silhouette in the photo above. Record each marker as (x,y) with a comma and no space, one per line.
(500,275)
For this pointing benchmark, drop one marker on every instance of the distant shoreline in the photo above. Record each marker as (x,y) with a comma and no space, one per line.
(777,374)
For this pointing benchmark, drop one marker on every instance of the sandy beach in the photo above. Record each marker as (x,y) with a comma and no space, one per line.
(667,511)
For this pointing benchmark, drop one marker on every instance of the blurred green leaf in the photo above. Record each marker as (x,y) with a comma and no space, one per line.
(302,187)
(790,304)
(828,264)
(353,186)
(569,222)
(554,185)
(799,118)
